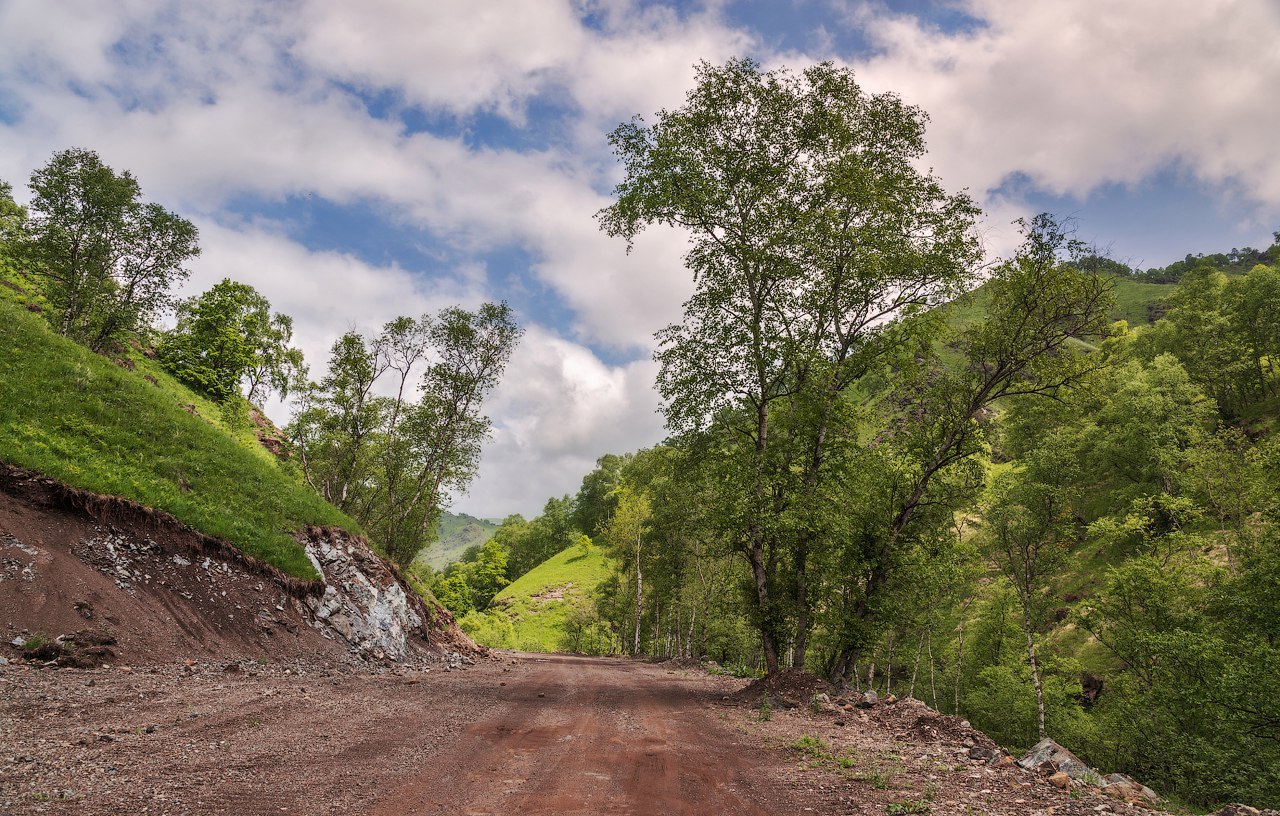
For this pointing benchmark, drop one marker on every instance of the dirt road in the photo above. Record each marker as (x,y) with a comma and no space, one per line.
(516,735)
(589,736)
(521,735)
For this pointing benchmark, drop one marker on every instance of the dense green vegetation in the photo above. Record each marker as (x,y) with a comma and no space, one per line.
(227,337)
(1051,506)
(458,535)
(1103,571)
(391,461)
(1236,261)
(105,261)
(548,609)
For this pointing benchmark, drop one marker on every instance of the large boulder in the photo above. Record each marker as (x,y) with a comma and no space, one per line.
(1048,757)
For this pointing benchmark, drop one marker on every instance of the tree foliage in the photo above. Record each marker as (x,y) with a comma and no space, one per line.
(392,461)
(227,341)
(812,236)
(105,261)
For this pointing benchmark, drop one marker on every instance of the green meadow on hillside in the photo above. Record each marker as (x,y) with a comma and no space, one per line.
(78,417)
(456,534)
(536,613)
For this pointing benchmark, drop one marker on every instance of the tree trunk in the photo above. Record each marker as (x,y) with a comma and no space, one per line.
(802,605)
(1035,680)
(768,641)
(964,610)
(639,598)
(915,667)
(888,668)
(933,686)
(693,617)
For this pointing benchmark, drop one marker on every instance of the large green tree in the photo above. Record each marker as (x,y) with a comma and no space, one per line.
(812,232)
(106,261)
(227,339)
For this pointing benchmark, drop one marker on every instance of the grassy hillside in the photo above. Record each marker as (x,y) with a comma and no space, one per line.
(457,534)
(1132,297)
(80,418)
(536,613)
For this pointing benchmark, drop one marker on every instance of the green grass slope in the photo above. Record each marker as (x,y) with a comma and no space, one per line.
(536,612)
(1132,298)
(78,417)
(457,534)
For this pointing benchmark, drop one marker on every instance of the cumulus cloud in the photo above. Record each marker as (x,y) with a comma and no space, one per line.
(326,293)
(210,104)
(559,409)
(455,55)
(1075,95)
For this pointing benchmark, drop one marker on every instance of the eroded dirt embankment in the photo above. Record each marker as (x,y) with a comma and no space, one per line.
(72,562)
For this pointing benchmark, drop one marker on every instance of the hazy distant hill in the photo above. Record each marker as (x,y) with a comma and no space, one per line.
(457,533)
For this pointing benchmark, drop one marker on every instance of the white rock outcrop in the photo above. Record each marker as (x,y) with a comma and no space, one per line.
(364,603)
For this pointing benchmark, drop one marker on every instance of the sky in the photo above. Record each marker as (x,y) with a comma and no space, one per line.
(359,161)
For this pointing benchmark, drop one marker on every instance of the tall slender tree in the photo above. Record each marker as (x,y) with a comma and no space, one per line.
(392,461)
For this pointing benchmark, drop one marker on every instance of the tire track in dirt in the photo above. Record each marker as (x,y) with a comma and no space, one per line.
(596,736)
(518,735)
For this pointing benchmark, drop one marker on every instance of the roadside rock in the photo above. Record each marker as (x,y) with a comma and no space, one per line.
(1236,809)
(1048,756)
(364,602)
(1119,786)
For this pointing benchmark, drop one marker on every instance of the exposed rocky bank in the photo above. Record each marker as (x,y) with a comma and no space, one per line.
(88,580)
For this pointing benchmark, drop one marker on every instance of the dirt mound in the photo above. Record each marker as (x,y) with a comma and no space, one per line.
(682,663)
(790,687)
(73,562)
(913,721)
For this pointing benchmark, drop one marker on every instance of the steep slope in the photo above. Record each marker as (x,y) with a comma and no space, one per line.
(96,425)
(139,521)
(457,534)
(536,613)
(1136,302)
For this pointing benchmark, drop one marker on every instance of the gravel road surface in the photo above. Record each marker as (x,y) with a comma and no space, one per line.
(519,734)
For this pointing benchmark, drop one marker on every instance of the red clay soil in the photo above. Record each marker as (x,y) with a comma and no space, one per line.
(161,599)
(525,735)
(72,561)
(514,734)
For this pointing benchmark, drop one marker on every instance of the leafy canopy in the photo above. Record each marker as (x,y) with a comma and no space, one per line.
(106,261)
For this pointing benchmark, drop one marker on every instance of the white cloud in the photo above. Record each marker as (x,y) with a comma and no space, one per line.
(1079,94)
(558,409)
(326,293)
(456,55)
(209,102)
